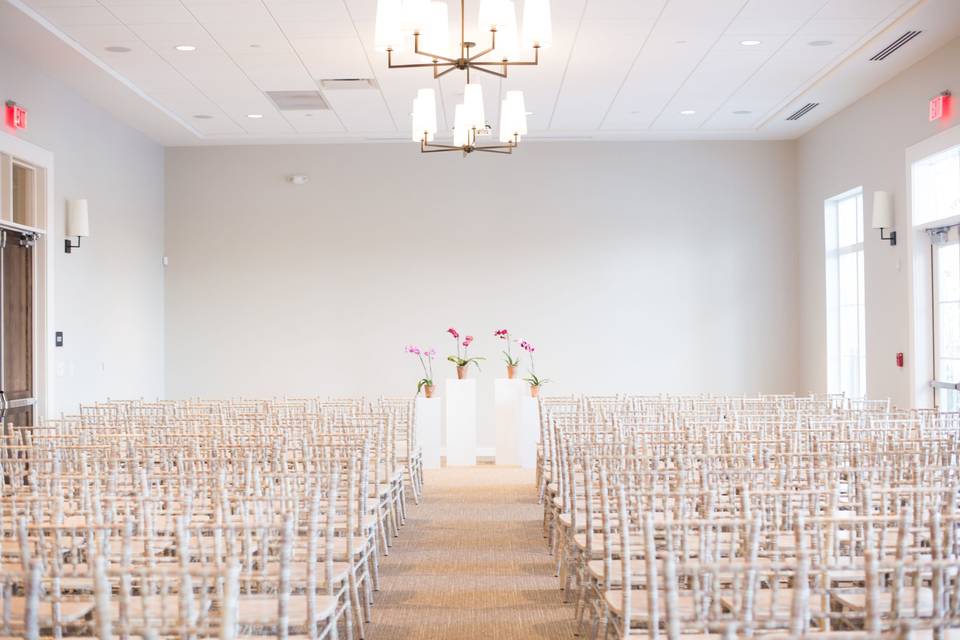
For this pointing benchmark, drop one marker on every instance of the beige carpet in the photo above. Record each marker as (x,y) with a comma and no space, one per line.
(472,563)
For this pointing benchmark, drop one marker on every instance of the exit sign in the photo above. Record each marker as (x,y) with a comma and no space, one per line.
(16,115)
(940,107)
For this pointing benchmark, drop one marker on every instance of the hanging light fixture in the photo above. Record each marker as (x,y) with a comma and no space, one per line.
(426,22)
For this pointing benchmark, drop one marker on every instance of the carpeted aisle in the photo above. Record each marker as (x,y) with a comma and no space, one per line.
(471,563)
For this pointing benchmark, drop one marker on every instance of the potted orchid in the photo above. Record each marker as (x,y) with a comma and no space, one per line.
(535,381)
(426,357)
(512,363)
(462,360)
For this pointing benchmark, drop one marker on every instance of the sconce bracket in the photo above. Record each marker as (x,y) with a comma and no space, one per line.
(892,237)
(68,246)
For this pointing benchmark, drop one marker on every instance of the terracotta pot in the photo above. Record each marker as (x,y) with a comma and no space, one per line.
(534,391)
(511,372)
(428,390)
(461,373)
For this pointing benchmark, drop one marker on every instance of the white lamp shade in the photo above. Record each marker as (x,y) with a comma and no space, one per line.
(424,116)
(882,210)
(460,128)
(428,103)
(508,40)
(414,15)
(474,118)
(420,121)
(435,36)
(388,33)
(491,15)
(537,25)
(518,110)
(507,129)
(78,220)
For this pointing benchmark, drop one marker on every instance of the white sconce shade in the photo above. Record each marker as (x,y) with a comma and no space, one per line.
(435,36)
(537,27)
(78,220)
(474,117)
(388,33)
(882,210)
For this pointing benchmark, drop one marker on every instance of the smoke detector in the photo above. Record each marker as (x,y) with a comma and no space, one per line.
(298,179)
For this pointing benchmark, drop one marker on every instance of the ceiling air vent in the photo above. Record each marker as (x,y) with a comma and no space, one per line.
(348,84)
(298,100)
(887,51)
(804,110)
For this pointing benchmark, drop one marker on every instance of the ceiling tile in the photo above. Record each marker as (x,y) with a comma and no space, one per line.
(79,16)
(314,121)
(333,57)
(361,111)
(133,14)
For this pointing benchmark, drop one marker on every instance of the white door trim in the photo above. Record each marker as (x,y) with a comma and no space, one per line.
(43,282)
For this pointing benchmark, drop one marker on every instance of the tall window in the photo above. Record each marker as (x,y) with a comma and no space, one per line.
(846,326)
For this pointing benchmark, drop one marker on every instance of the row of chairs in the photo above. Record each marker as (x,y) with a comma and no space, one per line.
(732,516)
(203,519)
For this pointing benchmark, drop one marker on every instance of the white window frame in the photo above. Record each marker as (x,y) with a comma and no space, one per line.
(920,350)
(836,355)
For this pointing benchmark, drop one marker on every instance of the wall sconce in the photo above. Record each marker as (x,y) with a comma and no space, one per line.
(78,223)
(883,215)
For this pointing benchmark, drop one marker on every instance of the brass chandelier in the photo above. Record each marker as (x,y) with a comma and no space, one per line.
(426,22)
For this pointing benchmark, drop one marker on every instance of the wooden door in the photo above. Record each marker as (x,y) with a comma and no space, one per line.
(17,397)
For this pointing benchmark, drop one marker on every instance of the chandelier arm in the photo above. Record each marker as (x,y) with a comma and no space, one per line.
(503,150)
(499,74)
(427,147)
(436,57)
(510,63)
(416,49)
(424,65)
(442,73)
(493,45)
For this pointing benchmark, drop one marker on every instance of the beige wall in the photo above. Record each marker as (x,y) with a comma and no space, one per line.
(108,293)
(865,145)
(632,267)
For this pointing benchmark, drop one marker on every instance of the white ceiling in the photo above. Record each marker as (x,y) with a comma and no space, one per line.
(618,69)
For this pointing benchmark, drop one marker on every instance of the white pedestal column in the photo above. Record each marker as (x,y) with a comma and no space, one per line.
(460,400)
(517,423)
(429,430)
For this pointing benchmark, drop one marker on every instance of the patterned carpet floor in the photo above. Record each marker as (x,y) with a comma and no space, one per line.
(472,563)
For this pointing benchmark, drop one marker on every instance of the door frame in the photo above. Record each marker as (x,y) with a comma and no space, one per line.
(919,276)
(44,252)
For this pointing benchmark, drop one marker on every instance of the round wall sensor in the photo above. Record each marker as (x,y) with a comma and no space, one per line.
(298,179)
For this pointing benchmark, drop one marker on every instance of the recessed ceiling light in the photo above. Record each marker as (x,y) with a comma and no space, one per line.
(749,43)
(254,46)
(185,47)
(255,116)
(742,112)
(680,42)
(202,116)
(310,115)
(820,43)
(687,112)
(117,49)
